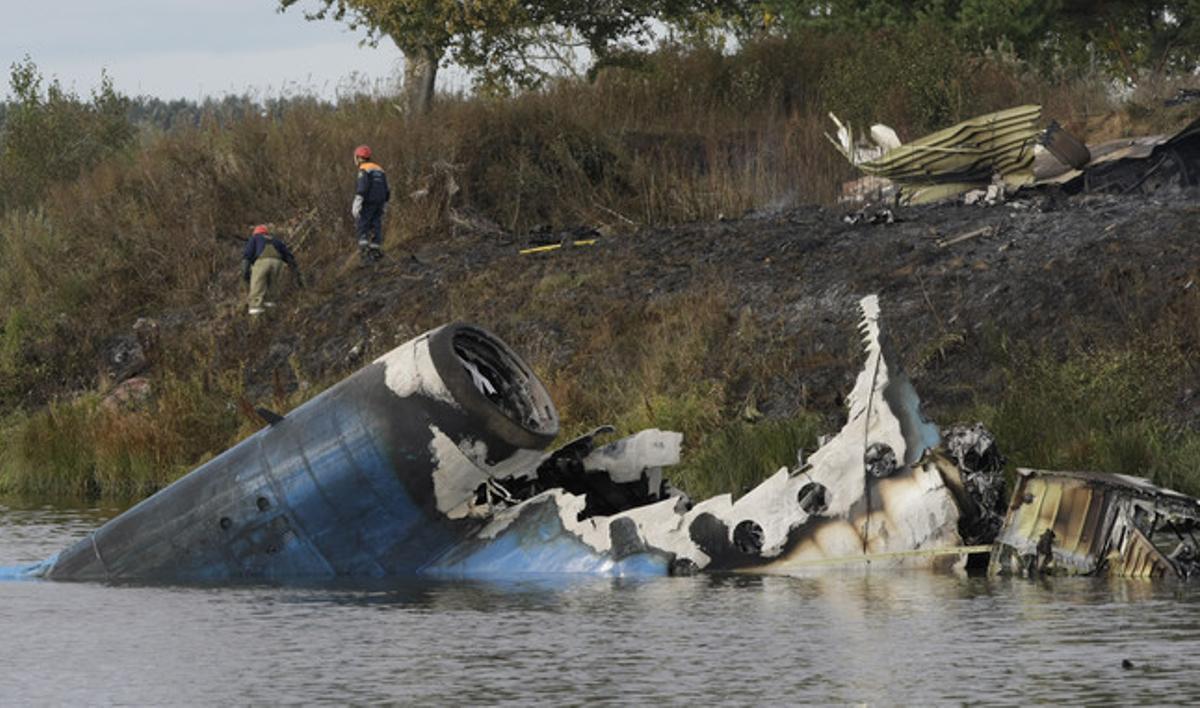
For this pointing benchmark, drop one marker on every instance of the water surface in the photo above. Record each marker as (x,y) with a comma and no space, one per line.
(885,637)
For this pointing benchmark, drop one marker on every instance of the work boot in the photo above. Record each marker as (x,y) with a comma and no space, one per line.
(376,252)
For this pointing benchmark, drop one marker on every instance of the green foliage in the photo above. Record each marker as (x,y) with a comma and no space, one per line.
(1024,25)
(741,455)
(1125,36)
(50,135)
(910,76)
(515,43)
(860,15)
(1105,411)
(15,330)
(49,454)
(88,449)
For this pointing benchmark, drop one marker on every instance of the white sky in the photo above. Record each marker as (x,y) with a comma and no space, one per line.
(192,48)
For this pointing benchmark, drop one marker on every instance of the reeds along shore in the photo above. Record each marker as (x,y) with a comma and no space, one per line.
(144,222)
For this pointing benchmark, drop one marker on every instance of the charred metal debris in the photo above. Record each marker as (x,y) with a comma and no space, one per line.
(993,156)
(1086,523)
(430,461)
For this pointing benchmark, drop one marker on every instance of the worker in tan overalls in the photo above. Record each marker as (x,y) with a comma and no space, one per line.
(262,267)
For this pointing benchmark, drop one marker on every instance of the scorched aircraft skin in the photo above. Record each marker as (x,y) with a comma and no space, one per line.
(430,461)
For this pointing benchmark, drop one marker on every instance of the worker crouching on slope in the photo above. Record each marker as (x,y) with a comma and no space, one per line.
(262,267)
(371,195)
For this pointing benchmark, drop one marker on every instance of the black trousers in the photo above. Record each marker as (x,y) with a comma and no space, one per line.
(370,224)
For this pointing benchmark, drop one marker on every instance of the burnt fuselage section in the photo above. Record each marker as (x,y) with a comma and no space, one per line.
(370,478)
(431,460)
(1089,523)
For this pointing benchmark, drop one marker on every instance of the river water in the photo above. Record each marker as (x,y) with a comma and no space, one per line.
(883,638)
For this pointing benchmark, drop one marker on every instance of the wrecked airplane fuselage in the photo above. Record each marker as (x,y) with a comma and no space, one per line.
(429,461)
(1004,152)
(373,477)
(1087,523)
(945,164)
(877,491)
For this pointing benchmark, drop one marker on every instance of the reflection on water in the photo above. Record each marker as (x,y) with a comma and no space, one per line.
(882,638)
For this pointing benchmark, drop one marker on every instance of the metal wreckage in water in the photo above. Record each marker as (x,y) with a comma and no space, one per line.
(430,461)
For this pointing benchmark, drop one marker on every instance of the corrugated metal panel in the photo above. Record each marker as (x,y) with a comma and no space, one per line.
(1048,508)
(963,156)
(1140,559)
(1091,515)
(1072,509)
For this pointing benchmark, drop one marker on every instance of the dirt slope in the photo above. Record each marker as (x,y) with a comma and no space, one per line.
(1044,272)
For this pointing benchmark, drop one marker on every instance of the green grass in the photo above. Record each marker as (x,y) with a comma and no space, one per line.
(740,455)
(84,448)
(1109,410)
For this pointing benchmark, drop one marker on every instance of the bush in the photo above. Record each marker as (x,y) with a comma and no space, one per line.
(910,79)
(1103,410)
(741,455)
(86,448)
(51,136)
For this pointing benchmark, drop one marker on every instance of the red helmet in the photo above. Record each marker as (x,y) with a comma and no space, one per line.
(363,151)
(260,229)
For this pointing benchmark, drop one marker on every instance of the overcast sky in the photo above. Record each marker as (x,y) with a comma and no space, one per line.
(191,48)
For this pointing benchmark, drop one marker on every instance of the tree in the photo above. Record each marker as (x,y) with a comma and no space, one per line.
(506,41)
(1125,36)
(421,29)
(51,135)
(1131,35)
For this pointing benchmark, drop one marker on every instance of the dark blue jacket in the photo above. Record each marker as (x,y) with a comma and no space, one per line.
(256,245)
(372,184)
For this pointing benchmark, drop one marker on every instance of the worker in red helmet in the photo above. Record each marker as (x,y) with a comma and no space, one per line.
(371,195)
(262,267)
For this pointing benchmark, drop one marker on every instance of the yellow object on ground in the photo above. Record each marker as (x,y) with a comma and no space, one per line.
(553,246)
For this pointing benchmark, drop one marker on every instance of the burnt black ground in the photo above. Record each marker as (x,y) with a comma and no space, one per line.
(1050,273)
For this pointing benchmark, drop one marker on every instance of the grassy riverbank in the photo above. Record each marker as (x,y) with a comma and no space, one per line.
(147,224)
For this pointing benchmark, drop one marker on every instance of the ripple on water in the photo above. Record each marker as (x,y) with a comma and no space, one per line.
(885,638)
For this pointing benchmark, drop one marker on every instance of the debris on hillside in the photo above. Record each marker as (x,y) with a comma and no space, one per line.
(1182,96)
(1143,164)
(984,159)
(868,215)
(1064,147)
(543,239)
(439,194)
(972,154)
(428,461)
(125,358)
(1086,523)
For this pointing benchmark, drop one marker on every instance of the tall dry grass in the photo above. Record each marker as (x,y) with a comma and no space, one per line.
(155,227)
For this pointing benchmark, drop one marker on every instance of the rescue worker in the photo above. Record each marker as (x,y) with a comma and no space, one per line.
(262,267)
(371,195)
